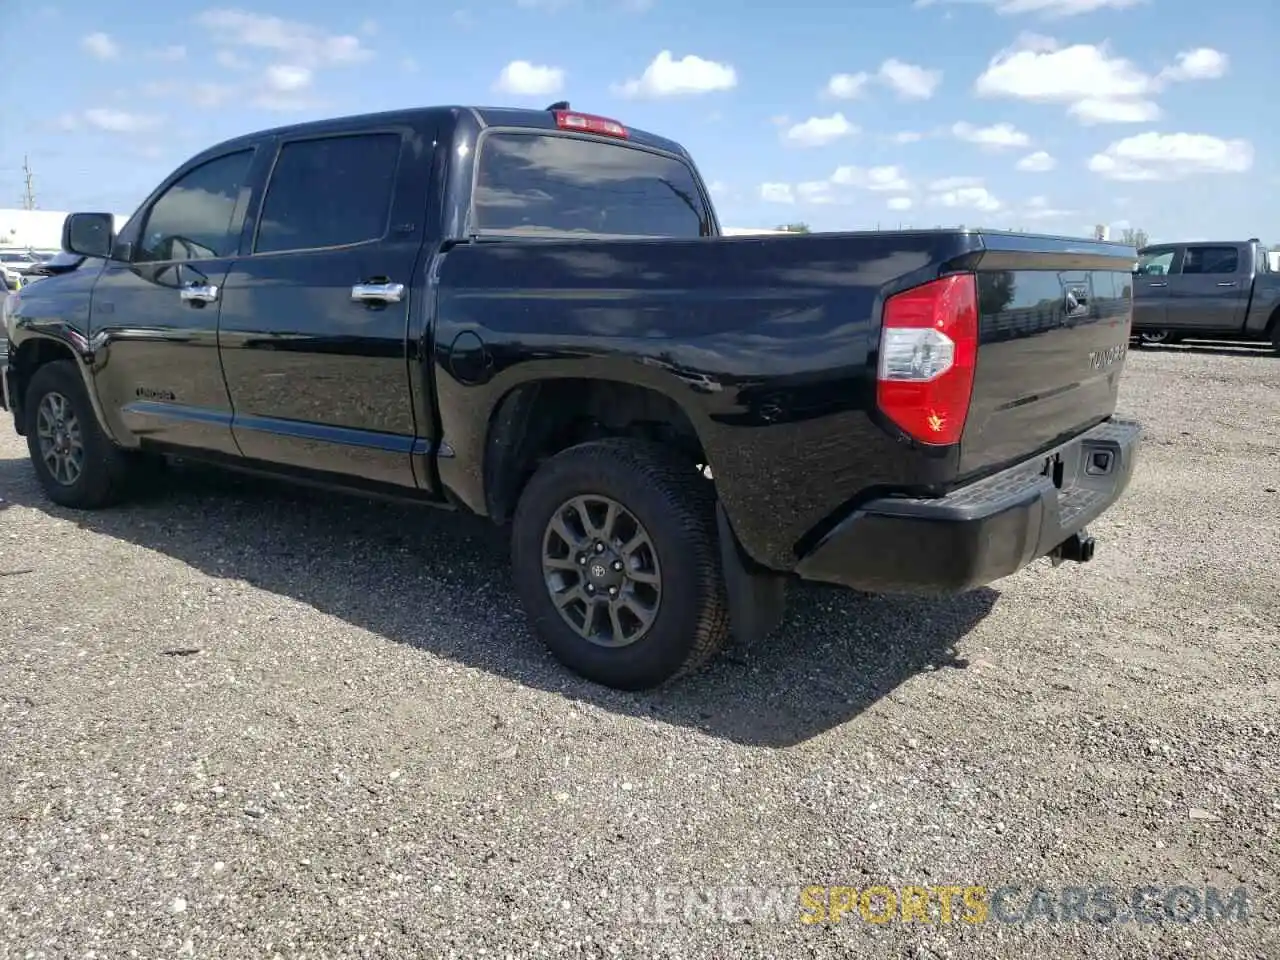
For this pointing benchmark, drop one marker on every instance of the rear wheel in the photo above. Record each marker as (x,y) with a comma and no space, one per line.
(616,563)
(1153,337)
(76,464)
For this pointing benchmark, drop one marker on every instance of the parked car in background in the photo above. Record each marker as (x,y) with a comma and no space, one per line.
(14,264)
(1217,290)
(60,262)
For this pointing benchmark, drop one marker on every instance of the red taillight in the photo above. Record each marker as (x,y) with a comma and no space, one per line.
(589,123)
(928,348)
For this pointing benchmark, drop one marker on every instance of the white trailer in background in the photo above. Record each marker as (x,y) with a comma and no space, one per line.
(748,231)
(36,229)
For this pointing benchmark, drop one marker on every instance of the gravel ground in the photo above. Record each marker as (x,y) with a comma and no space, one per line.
(237,721)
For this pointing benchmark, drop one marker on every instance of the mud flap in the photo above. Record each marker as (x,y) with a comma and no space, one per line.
(757,598)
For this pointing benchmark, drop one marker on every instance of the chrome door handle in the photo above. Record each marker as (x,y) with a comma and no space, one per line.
(1226,283)
(1160,284)
(199,293)
(373,292)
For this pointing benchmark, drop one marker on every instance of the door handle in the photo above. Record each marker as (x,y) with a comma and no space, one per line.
(375,292)
(1226,283)
(199,293)
(1160,283)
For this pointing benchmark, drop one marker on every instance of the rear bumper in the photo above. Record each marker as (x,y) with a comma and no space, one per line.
(982,532)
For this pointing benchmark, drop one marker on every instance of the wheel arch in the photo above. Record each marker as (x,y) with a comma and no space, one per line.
(537,419)
(37,350)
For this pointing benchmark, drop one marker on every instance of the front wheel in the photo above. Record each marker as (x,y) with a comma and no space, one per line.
(1154,337)
(616,562)
(76,464)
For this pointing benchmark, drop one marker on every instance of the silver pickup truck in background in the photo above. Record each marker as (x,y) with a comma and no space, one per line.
(1212,290)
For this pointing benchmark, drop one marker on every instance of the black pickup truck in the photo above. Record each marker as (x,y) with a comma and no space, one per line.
(1212,289)
(531,315)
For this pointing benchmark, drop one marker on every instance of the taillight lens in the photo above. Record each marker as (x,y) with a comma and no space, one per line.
(928,349)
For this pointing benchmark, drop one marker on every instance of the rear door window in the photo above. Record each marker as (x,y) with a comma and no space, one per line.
(329,192)
(548,185)
(1215,260)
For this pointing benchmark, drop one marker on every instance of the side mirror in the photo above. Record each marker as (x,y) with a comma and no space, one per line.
(89,234)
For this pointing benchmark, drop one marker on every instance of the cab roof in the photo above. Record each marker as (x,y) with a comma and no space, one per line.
(481,116)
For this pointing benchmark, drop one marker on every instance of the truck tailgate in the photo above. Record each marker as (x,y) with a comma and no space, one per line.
(1052,340)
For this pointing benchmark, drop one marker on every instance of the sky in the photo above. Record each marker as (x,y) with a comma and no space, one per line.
(1042,115)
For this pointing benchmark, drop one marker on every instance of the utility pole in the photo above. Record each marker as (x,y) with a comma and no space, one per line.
(29,197)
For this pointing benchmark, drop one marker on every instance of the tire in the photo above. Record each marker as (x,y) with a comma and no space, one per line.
(674,505)
(1154,337)
(104,469)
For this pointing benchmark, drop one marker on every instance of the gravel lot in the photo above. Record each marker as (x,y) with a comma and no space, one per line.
(237,721)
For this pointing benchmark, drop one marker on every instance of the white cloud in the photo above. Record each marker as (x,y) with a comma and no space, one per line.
(847,86)
(301,42)
(969,198)
(1092,111)
(815,192)
(1047,8)
(963,193)
(119,121)
(1173,156)
(777,193)
(910,81)
(101,46)
(524,79)
(900,203)
(839,187)
(1038,162)
(668,77)
(880,179)
(1037,69)
(1203,63)
(718,187)
(998,136)
(1096,86)
(288,78)
(907,136)
(819,131)
(1039,208)
(954,183)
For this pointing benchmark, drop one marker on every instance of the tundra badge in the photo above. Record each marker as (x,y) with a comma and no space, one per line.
(1098,359)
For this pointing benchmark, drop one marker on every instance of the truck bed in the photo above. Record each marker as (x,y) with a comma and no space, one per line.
(771,345)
